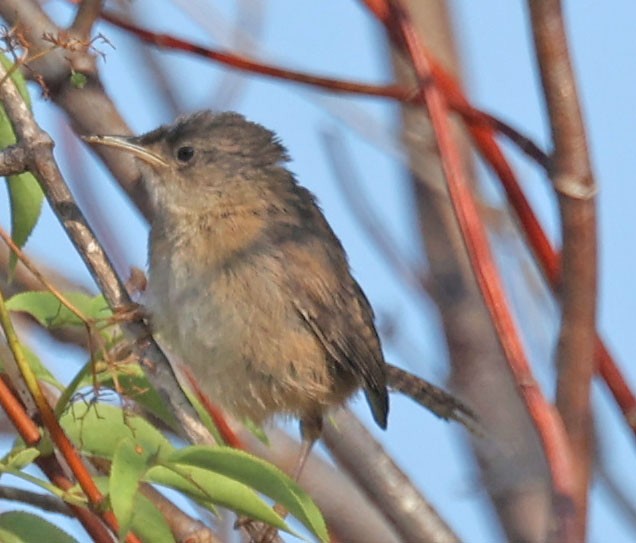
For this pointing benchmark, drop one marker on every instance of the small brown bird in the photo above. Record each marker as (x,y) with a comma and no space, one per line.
(248,284)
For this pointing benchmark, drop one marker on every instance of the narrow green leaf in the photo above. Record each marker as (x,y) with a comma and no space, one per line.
(207,487)
(259,475)
(25,200)
(22,458)
(98,429)
(40,370)
(130,462)
(23,527)
(70,496)
(25,194)
(148,522)
(18,79)
(132,382)
(257,431)
(50,313)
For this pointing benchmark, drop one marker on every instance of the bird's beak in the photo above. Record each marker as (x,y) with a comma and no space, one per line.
(128,144)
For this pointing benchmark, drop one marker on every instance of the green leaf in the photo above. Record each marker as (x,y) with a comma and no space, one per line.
(148,522)
(69,496)
(50,313)
(257,431)
(40,370)
(18,79)
(22,458)
(133,384)
(25,199)
(208,487)
(130,462)
(259,475)
(25,194)
(98,429)
(23,527)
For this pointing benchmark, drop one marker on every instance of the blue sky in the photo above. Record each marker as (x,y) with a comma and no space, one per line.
(338,38)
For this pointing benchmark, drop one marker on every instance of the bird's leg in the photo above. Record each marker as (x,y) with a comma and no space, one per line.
(310,430)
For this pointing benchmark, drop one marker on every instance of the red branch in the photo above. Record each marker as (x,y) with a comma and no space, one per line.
(243,63)
(20,419)
(218,417)
(30,433)
(482,127)
(547,421)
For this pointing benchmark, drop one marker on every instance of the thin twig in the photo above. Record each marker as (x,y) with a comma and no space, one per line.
(61,440)
(239,62)
(362,211)
(41,501)
(89,108)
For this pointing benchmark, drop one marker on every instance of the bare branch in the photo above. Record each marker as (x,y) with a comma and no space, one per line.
(574,182)
(12,160)
(350,516)
(89,108)
(87,14)
(41,162)
(386,485)
(41,501)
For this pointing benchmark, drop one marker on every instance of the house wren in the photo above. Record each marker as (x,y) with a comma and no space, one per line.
(248,284)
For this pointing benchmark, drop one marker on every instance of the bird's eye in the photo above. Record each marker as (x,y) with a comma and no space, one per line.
(185,153)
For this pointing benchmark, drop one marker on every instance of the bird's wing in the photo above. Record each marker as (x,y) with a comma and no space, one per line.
(334,308)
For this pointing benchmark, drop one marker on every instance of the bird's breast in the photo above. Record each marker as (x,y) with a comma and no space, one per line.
(240,335)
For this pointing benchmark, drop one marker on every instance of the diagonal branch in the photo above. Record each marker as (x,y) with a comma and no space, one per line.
(38,146)
(411,515)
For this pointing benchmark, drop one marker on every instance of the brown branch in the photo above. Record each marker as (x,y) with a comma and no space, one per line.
(35,499)
(350,517)
(384,483)
(521,497)
(574,183)
(87,13)
(89,108)
(243,63)
(12,160)
(91,522)
(548,258)
(12,407)
(38,145)
(183,527)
